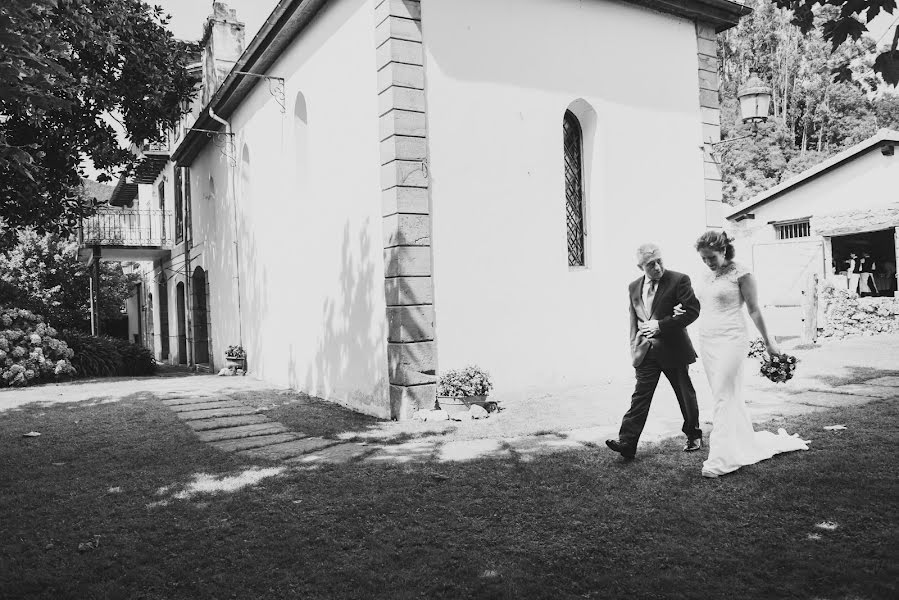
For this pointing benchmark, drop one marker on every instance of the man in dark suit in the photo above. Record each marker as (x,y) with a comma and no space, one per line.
(660,344)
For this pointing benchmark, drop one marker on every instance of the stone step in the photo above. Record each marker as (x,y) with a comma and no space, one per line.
(254,442)
(829,399)
(884,381)
(190,400)
(241,431)
(290,449)
(182,395)
(223,422)
(218,412)
(209,405)
(339,454)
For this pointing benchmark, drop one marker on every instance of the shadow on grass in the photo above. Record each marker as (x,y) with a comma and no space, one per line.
(573,523)
(857,375)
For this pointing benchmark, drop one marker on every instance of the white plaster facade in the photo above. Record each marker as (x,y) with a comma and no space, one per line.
(497,91)
(304,192)
(849,194)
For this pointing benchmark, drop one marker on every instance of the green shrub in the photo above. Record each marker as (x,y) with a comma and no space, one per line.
(136,360)
(30,350)
(104,356)
(95,356)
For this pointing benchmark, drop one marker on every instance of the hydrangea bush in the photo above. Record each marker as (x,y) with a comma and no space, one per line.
(463,383)
(30,350)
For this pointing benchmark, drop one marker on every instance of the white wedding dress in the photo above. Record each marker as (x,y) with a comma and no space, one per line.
(724,343)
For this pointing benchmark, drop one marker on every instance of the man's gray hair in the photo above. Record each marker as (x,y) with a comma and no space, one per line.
(644,251)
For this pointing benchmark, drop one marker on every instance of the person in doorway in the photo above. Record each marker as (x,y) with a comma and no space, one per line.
(866,284)
(659,344)
(853,271)
(723,343)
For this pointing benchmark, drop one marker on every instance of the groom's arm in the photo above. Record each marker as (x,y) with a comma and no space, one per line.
(688,301)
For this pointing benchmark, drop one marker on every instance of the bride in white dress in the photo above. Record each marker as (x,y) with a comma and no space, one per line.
(724,344)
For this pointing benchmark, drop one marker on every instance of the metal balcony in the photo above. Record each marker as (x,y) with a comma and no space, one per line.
(126,234)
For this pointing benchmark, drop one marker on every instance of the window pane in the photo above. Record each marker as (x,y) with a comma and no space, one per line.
(574,189)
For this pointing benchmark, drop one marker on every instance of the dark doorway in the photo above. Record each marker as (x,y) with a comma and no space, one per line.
(878,248)
(164,319)
(182,329)
(200,316)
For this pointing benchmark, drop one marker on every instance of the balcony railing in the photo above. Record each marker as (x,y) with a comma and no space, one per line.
(127,227)
(162,147)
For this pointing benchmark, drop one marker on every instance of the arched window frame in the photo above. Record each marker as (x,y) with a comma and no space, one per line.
(575,222)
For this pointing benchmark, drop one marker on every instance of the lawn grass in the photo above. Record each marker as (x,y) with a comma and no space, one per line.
(575,524)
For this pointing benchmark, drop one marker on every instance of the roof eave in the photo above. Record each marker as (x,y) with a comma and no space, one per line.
(284,23)
(722,14)
(881,138)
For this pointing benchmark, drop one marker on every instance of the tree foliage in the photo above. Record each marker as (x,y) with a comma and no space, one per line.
(813,116)
(67,66)
(846,22)
(42,274)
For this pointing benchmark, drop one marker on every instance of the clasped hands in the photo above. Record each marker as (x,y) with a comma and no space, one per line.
(650,328)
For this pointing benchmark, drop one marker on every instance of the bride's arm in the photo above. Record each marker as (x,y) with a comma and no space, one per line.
(749,291)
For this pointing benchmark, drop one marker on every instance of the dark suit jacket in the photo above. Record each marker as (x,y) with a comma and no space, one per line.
(671,345)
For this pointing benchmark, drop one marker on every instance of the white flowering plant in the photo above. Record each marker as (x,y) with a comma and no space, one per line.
(235,352)
(464,383)
(30,350)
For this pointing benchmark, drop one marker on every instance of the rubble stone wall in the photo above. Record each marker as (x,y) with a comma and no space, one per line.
(845,314)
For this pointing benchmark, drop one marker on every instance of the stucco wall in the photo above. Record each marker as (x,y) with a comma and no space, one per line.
(500,75)
(308,220)
(864,182)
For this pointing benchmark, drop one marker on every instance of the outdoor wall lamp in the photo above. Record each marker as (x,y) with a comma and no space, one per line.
(755,101)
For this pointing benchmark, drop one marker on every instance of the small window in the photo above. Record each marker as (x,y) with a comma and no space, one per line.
(574,188)
(796,229)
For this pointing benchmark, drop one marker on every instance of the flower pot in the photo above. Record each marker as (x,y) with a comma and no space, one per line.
(463,403)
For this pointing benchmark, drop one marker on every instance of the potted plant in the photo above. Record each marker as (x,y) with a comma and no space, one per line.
(459,389)
(236,359)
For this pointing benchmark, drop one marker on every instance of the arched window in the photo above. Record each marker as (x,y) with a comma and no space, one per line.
(301,142)
(574,188)
(246,183)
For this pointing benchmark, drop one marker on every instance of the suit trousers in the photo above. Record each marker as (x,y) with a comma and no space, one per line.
(648,374)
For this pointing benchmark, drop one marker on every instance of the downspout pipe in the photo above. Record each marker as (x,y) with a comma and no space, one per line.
(233,185)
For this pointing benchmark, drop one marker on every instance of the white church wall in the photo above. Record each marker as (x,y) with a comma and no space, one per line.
(500,75)
(307,220)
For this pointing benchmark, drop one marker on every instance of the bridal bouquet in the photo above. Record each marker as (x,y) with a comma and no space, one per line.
(778,368)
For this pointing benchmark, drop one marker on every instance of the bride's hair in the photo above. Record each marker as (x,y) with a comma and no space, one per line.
(717,241)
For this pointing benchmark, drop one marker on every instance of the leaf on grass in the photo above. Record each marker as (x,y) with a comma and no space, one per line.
(90,544)
(31,434)
(827,525)
(834,427)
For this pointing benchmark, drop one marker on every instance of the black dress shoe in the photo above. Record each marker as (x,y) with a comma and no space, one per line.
(625,451)
(693,445)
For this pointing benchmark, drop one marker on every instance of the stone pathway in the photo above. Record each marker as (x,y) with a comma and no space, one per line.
(232,426)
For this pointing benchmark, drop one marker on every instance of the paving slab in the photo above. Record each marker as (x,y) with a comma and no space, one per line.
(207,405)
(415,451)
(182,395)
(254,442)
(219,412)
(884,381)
(340,454)
(528,446)
(592,435)
(241,431)
(862,389)
(290,449)
(220,422)
(830,400)
(462,450)
(191,400)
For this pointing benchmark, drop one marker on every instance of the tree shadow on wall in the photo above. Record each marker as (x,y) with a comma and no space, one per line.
(350,363)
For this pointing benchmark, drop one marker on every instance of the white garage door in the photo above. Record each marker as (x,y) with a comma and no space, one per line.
(783,270)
